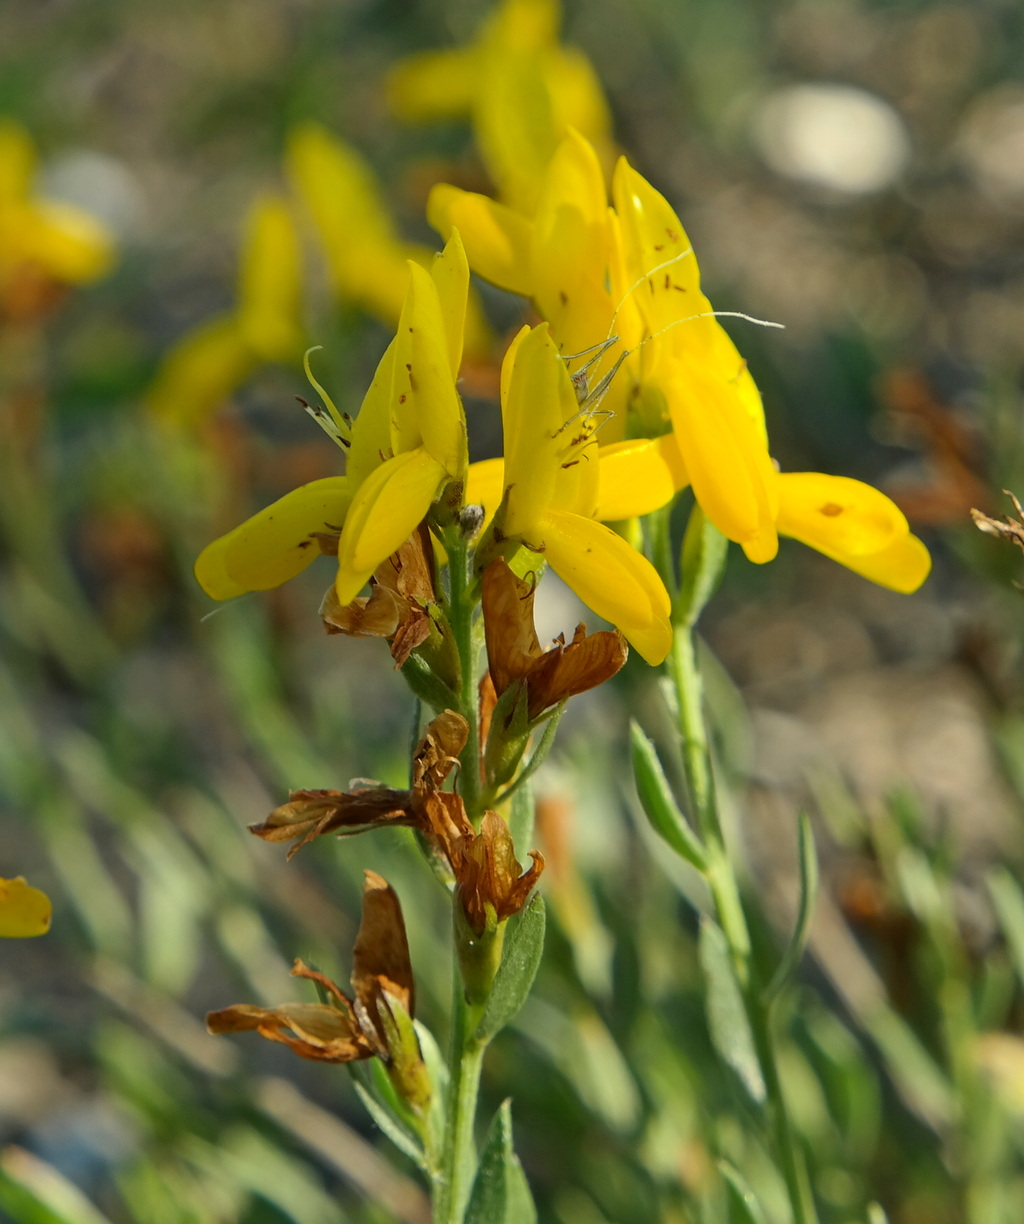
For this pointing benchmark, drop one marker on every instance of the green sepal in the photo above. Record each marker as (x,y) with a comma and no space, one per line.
(509,734)
(479,955)
(405,1065)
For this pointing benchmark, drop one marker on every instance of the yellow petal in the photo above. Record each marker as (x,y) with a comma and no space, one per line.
(638,476)
(834,513)
(902,566)
(569,252)
(270,281)
(371,431)
(425,405)
(389,506)
(579,103)
(434,85)
(497,239)
(200,372)
(611,577)
(344,200)
(538,402)
(450,273)
(24,911)
(514,125)
(662,269)
(275,544)
(66,242)
(729,465)
(485,486)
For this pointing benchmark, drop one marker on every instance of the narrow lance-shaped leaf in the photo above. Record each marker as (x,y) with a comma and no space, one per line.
(743,1205)
(395,1130)
(1008,901)
(726,1015)
(500,1194)
(658,803)
(808,894)
(524,944)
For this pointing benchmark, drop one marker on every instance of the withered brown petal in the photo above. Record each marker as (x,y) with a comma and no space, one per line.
(377,615)
(437,752)
(409,572)
(380,960)
(313,813)
(567,670)
(313,1030)
(512,644)
(444,817)
(412,632)
(488,700)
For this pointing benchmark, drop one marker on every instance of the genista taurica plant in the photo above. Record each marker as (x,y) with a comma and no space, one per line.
(621,394)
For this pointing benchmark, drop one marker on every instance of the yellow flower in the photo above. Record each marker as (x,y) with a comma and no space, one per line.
(676,352)
(522,90)
(42,238)
(408,441)
(205,367)
(24,911)
(552,492)
(367,262)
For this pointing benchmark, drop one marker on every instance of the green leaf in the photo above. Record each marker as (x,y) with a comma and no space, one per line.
(658,803)
(500,1194)
(726,1015)
(743,1205)
(34,1192)
(524,943)
(1008,902)
(437,1069)
(703,562)
(383,1105)
(520,821)
(876,1214)
(808,895)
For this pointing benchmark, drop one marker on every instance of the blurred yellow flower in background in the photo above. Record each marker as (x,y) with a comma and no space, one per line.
(24,911)
(209,364)
(521,89)
(44,244)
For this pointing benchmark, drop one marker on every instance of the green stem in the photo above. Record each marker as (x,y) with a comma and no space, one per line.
(458,1156)
(460,613)
(725,891)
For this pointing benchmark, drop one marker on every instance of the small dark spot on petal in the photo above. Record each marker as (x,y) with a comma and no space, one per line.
(830,510)
(401,398)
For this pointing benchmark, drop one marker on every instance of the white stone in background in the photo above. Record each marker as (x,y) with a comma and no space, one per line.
(100,184)
(836,136)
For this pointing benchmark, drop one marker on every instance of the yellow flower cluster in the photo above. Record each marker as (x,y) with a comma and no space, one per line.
(45,245)
(628,391)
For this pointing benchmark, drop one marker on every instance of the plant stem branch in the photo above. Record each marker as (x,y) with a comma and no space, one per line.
(458,1157)
(724,886)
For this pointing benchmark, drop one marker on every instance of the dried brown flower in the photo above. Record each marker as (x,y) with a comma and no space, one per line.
(309,814)
(402,588)
(1005,528)
(376,1022)
(514,652)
